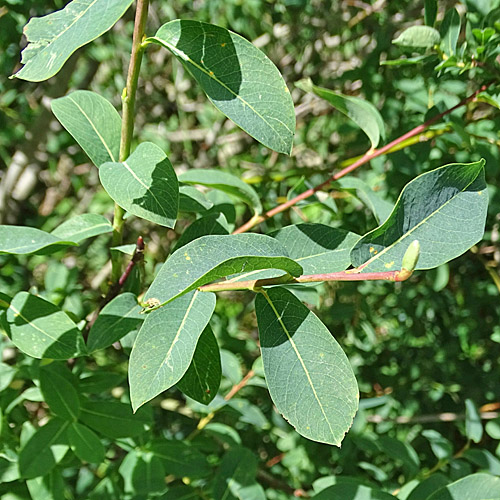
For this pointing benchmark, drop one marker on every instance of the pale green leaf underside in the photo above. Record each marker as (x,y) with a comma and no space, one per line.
(93,122)
(308,374)
(120,316)
(224,182)
(53,38)
(145,185)
(474,487)
(445,210)
(165,345)
(83,226)
(40,329)
(237,77)
(202,379)
(25,240)
(363,113)
(418,36)
(213,257)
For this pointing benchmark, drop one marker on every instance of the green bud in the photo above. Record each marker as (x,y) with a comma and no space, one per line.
(410,258)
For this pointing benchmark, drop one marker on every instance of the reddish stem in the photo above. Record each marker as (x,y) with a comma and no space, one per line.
(364,159)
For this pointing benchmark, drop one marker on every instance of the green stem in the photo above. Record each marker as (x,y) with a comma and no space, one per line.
(128,105)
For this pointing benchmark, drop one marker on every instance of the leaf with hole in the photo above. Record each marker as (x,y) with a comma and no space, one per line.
(237,78)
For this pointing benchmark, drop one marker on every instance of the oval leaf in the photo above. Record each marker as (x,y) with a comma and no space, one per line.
(165,345)
(59,393)
(120,316)
(213,257)
(363,113)
(224,182)
(237,77)
(145,185)
(53,38)
(473,487)
(445,210)
(83,226)
(85,443)
(450,31)
(202,379)
(21,240)
(93,122)
(40,329)
(418,36)
(309,377)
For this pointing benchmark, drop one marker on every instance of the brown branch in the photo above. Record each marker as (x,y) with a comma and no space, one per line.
(370,155)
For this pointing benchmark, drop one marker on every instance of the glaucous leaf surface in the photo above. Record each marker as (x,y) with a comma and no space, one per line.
(93,122)
(114,419)
(165,345)
(223,181)
(444,209)
(418,37)
(202,379)
(144,185)
(316,247)
(308,374)
(60,394)
(213,257)
(474,487)
(25,240)
(83,226)
(237,78)
(85,443)
(53,38)
(40,329)
(363,113)
(46,447)
(120,316)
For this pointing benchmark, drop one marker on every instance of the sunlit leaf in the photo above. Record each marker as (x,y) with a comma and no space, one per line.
(83,226)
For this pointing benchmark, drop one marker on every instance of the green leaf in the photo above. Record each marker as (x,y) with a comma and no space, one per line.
(441,447)
(40,329)
(316,247)
(212,257)
(114,419)
(235,479)
(225,182)
(181,493)
(7,374)
(165,345)
(237,77)
(25,240)
(484,459)
(473,487)
(44,449)
(180,459)
(120,316)
(99,381)
(444,209)
(53,38)
(93,122)
(191,200)
(202,379)
(143,474)
(59,393)
(209,224)
(83,226)
(363,113)
(400,451)
(145,185)
(430,12)
(428,486)
(85,443)
(450,30)
(49,487)
(309,377)
(473,424)
(343,491)
(418,37)
(408,61)
(380,208)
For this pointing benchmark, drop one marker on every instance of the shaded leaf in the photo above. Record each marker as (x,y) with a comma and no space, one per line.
(93,122)
(342,491)
(444,209)
(85,444)
(450,30)
(165,345)
(226,182)
(7,374)
(212,257)
(209,224)
(53,38)
(430,12)
(363,113)
(309,377)
(120,316)
(59,393)
(25,240)
(143,474)
(180,459)
(49,487)
(145,184)
(237,78)
(40,329)
(473,424)
(418,37)
(202,379)
(191,200)
(428,486)
(473,487)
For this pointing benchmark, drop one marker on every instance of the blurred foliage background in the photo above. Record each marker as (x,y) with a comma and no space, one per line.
(419,348)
